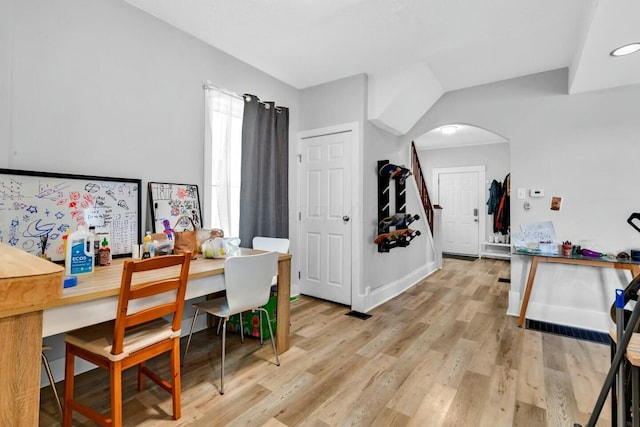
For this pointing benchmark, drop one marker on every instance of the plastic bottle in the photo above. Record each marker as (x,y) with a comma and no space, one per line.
(105,253)
(96,245)
(64,244)
(79,255)
(146,246)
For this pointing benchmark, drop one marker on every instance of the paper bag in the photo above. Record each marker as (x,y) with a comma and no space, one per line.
(186,240)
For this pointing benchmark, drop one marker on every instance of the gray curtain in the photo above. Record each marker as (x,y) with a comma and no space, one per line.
(264,186)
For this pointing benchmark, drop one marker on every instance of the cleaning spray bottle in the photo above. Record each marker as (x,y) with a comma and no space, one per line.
(79,256)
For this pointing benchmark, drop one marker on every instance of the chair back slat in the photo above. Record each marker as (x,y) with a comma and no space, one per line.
(248,280)
(176,284)
(149,314)
(155,288)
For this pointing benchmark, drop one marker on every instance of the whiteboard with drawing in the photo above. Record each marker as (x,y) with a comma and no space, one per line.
(171,201)
(38,207)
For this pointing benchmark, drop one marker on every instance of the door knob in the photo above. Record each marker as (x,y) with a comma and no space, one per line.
(346,218)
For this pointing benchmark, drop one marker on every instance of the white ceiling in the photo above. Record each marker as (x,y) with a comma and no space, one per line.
(463,43)
(466,43)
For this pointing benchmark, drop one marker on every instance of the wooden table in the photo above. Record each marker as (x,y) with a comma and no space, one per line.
(603,262)
(27,283)
(95,298)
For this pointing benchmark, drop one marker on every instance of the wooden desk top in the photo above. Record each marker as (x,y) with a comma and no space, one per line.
(105,281)
(26,281)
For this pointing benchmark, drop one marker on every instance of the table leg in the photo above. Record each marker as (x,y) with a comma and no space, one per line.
(20,358)
(527,292)
(284,305)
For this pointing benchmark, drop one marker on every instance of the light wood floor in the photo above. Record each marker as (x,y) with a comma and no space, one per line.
(442,354)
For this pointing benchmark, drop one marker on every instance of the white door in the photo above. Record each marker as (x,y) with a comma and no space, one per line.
(458,196)
(325,209)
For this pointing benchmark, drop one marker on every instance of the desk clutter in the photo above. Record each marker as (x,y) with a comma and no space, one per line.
(540,239)
(83,222)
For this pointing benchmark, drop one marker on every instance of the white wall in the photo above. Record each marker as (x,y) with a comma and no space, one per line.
(6,13)
(582,147)
(495,158)
(97,87)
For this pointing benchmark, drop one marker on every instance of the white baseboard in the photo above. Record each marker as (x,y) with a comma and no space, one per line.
(378,296)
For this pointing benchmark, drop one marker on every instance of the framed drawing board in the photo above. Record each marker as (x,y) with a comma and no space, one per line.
(171,201)
(37,208)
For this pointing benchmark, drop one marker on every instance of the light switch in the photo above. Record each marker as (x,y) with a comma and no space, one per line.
(522,193)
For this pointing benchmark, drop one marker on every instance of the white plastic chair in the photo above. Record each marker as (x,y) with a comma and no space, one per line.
(271,244)
(248,285)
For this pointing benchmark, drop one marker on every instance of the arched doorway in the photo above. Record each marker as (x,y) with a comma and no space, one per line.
(460,162)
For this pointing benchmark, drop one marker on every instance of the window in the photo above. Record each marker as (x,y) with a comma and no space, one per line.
(223,148)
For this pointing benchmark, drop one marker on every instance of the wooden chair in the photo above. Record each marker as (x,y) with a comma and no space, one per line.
(138,334)
(248,285)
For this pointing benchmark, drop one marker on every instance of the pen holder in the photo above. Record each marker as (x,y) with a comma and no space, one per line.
(567,250)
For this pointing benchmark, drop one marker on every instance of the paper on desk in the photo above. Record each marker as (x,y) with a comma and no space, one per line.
(531,235)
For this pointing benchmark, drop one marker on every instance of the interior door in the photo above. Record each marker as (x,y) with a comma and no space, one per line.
(458,196)
(325,223)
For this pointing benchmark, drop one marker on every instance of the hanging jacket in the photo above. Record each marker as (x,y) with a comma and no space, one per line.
(494,197)
(502,219)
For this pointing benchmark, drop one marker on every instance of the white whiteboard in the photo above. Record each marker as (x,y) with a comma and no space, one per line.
(171,201)
(34,204)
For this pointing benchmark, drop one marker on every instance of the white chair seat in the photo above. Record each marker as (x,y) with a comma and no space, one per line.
(218,307)
(98,339)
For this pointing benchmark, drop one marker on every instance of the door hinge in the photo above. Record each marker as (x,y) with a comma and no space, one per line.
(299,275)
(299,158)
(299,216)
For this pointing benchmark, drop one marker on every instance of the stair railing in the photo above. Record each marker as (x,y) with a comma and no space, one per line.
(422,185)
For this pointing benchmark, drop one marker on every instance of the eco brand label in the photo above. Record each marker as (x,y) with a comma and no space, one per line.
(80,261)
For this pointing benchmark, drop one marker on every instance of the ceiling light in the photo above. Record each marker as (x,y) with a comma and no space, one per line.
(626,49)
(448,130)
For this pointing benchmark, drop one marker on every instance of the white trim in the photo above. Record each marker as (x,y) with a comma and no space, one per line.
(357,301)
(382,294)
(481,170)
(206,191)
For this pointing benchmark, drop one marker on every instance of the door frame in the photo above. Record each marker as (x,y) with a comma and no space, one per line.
(482,214)
(357,300)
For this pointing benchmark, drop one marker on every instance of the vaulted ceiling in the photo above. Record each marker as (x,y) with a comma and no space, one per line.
(416,48)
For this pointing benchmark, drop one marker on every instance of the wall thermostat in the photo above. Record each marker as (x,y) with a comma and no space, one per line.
(536,192)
